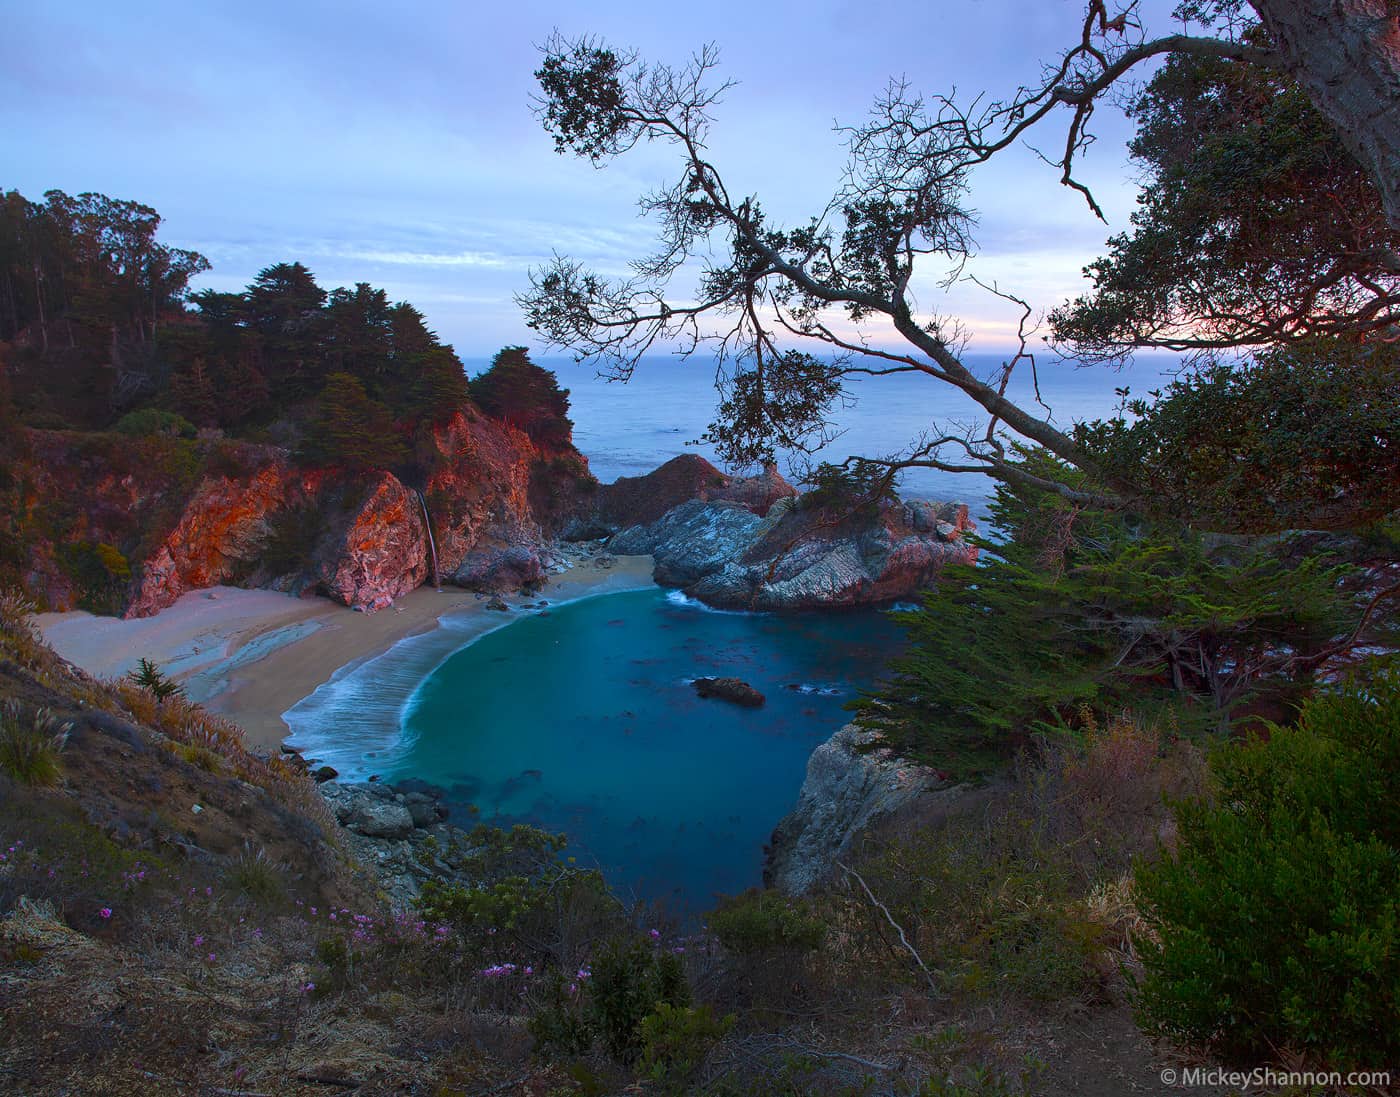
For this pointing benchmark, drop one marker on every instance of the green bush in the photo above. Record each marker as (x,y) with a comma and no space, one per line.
(148,421)
(766,921)
(1276,923)
(675,1041)
(526,896)
(30,747)
(100,572)
(629,980)
(254,875)
(608,1000)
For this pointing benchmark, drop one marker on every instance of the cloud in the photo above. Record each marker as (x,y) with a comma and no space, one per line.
(425,259)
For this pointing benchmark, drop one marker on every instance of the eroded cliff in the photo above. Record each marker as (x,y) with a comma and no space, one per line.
(128,525)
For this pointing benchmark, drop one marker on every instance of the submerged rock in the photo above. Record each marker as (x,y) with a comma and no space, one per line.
(734,690)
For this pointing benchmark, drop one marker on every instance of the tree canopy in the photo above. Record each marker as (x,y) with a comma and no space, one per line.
(1258,227)
(96,325)
(525,395)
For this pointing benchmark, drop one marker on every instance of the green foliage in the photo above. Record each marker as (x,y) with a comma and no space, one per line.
(765,405)
(149,676)
(516,391)
(1080,608)
(292,537)
(630,979)
(1276,921)
(351,430)
(857,489)
(254,875)
(608,1001)
(526,889)
(675,1041)
(559,1022)
(1255,224)
(766,921)
(31,747)
(100,572)
(149,421)
(1304,436)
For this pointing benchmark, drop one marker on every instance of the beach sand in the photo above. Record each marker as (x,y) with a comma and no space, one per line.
(252,654)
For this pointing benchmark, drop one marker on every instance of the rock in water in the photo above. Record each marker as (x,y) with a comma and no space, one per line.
(800,557)
(735,690)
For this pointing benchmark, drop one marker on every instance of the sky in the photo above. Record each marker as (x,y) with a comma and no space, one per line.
(394,143)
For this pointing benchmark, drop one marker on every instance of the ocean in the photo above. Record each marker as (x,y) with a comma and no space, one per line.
(629,429)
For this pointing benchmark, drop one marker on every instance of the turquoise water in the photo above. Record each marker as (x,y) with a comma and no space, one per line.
(582,720)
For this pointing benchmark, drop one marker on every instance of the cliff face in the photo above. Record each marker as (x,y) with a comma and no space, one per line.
(846,791)
(129,525)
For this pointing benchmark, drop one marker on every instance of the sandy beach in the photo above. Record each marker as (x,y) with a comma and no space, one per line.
(252,654)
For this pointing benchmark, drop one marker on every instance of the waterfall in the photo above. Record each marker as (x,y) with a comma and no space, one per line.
(432,545)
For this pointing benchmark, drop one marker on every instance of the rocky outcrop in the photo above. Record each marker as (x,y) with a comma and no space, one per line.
(798,557)
(846,790)
(632,501)
(380,555)
(397,831)
(224,524)
(496,497)
(734,690)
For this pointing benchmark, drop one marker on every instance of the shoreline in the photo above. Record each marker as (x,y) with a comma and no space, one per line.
(250,655)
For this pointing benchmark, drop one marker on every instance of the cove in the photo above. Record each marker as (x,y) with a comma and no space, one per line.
(582,720)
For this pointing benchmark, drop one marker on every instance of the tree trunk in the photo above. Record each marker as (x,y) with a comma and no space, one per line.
(39,302)
(1346,55)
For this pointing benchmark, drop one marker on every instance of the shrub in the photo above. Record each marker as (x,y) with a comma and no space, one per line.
(254,875)
(1276,923)
(101,573)
(857,490)
(150,421)
(291,540)
(675,1041)
(30,748)
(526,897)
(766,921)
(629,980)
(149,676)
(608,1000)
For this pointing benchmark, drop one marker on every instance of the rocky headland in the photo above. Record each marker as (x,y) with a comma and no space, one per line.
(755,544)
